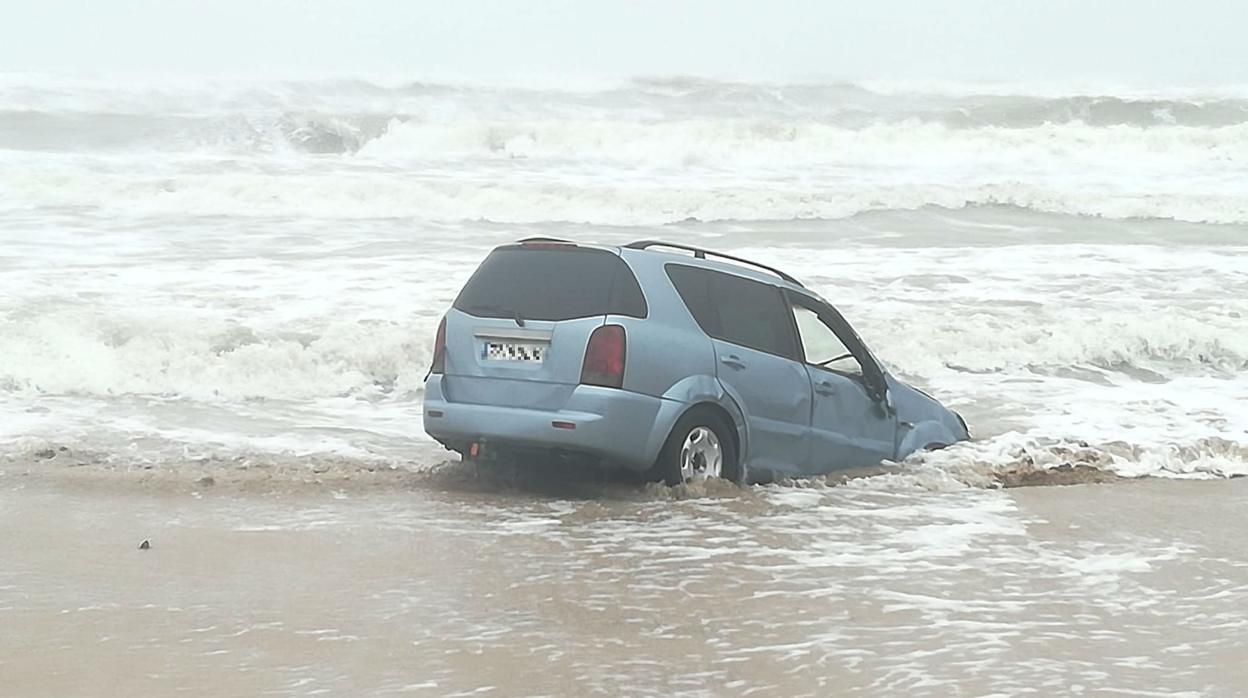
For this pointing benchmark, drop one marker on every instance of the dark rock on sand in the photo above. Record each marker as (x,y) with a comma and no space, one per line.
(1064,474)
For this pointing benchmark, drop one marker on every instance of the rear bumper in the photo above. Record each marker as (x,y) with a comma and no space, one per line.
(618,426)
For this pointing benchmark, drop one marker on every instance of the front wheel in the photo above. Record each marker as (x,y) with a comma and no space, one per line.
(699,448)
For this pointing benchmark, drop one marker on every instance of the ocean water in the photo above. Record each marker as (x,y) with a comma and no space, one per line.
(217,301)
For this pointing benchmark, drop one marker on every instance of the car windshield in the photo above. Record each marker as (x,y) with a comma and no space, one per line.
(551,283)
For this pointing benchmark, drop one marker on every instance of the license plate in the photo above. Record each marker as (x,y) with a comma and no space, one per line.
(513,351)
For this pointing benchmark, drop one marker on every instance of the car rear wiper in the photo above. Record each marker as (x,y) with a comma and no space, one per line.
(507,312)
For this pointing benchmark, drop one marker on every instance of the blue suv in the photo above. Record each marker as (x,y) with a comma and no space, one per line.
(668,359)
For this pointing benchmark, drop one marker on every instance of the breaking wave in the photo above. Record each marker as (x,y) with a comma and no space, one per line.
(780,142)
(364,195)
(842,103)
(1148,346)
(243,133)
(72,353)
(656,139)
(641,152)
(1013,460)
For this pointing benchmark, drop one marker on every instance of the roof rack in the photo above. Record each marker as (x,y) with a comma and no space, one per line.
(700,253)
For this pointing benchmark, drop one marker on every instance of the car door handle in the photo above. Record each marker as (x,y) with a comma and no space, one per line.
(825,388)
(732,360)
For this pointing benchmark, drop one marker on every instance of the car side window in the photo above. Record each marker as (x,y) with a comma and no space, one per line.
(736,309)
(821,344)
(694,287)
(753,315)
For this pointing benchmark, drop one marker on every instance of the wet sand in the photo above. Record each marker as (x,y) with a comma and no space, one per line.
(428,587)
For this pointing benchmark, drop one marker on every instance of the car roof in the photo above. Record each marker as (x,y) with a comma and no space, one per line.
(727,267)
(689,255)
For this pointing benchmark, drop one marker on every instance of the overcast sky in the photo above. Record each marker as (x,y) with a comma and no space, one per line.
(1136,42)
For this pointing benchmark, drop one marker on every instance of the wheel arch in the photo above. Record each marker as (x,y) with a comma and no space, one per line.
(924,436)
(698,392)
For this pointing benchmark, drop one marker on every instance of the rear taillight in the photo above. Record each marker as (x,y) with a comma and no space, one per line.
(439,349)
(604,357)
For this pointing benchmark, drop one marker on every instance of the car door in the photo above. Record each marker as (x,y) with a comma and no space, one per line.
(757,361)
(850,424)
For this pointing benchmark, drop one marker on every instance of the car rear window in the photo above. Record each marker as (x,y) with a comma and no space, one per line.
(552,283)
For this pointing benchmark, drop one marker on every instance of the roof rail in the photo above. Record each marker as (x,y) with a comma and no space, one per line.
(701,253)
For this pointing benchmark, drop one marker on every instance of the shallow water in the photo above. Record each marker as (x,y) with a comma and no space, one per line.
(457,587)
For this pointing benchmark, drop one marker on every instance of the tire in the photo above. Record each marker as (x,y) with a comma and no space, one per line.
(706,434)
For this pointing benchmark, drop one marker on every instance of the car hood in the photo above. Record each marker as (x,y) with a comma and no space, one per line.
(915,406)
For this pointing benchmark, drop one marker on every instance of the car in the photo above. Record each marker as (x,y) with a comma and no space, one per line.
(669,360)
